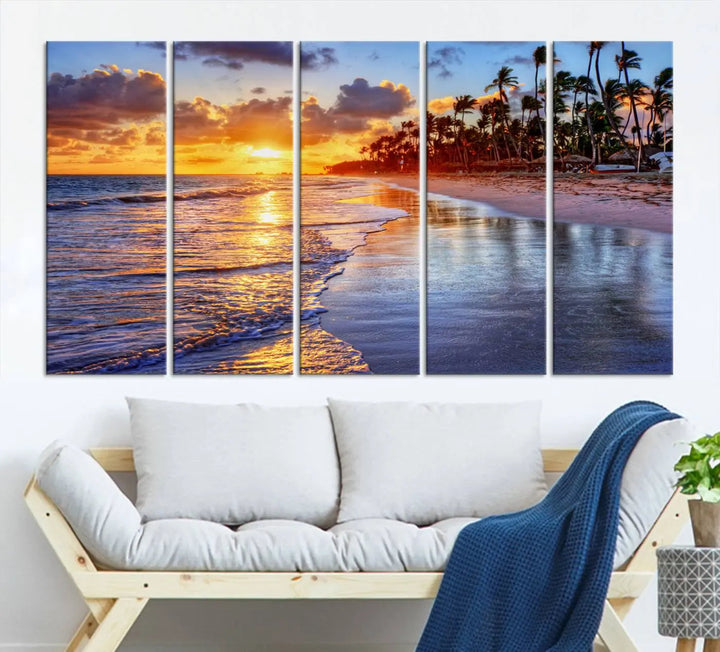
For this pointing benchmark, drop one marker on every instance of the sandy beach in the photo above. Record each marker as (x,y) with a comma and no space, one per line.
(374,304)
(486,278)
(642,201)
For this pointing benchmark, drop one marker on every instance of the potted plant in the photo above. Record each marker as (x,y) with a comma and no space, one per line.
(700,469)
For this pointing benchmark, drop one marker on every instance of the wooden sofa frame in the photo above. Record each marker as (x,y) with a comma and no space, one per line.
(116,598)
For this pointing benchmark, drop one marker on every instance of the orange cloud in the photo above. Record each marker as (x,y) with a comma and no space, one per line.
(107,121)
(224,136)
(441,105)
(360,114)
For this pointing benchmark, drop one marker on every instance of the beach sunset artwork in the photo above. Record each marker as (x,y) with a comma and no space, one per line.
(613,184)
(486,257)
(106,210)
(359,254)
(233,233)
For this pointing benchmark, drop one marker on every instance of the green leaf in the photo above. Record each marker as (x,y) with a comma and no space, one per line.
(699,468)
(709,495)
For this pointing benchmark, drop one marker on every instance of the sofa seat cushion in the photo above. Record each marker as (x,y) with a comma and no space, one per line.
(293,546)
(111,529)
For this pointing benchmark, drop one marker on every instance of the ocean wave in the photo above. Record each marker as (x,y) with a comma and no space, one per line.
(154,197)
(134,362)
(219,193)
(102,273)
(270,266)
(225,336)
(142,361)
(377,222)
(148,198)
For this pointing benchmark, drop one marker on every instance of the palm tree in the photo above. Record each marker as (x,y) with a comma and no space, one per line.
(661,100)
(485,121)
(490,114)
(505,78)
(528,104)
(613,92)
(608,107)
(588,118)
(462,105)
(539,57)
(630,59)
(583,84)
(634,91)
(564,82)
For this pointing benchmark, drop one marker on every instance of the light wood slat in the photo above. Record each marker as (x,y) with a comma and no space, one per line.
(612,632)
(114,459)
(625,584)
(84,632)
(260,585)
(66,545)
(665,530)
(116,624)
(281,586)
(555,460)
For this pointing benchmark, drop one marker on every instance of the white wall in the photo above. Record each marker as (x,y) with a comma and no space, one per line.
(38,605)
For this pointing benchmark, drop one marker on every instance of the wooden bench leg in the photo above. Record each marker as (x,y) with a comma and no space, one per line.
(106,632)
(612,632)
(685,645)
(711,645)
(84,633)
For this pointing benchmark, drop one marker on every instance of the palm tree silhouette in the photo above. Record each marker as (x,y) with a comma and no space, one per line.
(660,102)
(462,105)
(588,117)
(606,103)
(539,58)
(505,78)
(629,59)
(583,84)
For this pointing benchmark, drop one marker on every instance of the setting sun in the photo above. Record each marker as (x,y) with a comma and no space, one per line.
(265,152)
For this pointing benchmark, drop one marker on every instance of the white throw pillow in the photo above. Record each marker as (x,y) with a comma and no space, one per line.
(234,463)
(424,462)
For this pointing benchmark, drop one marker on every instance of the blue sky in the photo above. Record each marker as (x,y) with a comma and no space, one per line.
(354,93)
(573,56)
(465,68)
(397,61)
(105,107)
(77,58)
(232,80)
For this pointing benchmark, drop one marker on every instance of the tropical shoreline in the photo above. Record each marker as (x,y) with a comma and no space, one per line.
(372,304)
(640,201)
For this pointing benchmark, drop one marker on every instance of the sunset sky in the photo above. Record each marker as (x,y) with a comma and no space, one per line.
(656,55)
(233,107)
(106,108)
(464,68)
(353,93)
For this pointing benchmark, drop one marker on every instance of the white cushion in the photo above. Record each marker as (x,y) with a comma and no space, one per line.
(648,481)
(109,526)
(424,462)
(234,463)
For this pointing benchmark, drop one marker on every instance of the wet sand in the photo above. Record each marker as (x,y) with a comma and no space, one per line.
(642,201)
(486,279)
(485,292)
(374,304)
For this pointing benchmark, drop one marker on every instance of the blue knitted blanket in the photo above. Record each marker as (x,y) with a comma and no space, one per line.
(536,580)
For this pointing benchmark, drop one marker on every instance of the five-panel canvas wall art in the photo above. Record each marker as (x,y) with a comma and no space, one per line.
(250,260)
